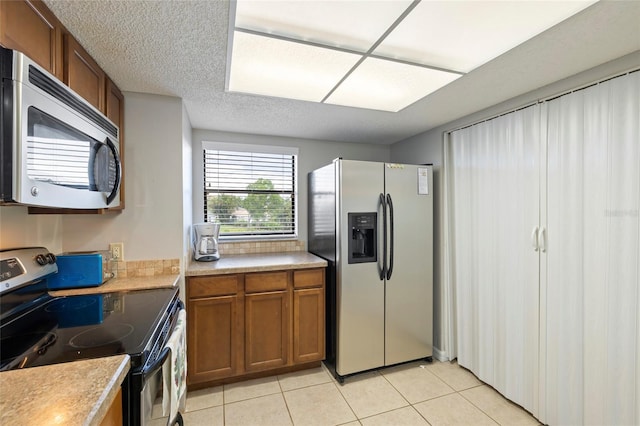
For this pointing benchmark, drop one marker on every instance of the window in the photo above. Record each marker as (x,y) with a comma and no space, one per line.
(250,190)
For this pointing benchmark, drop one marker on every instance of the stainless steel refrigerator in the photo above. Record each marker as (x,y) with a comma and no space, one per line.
(373,223)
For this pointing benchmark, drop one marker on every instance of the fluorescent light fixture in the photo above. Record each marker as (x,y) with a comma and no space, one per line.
(462,35)
(347,24)
(376,54)
(387,85)
(272,67)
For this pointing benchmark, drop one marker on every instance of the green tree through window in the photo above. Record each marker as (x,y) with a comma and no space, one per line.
(250,193)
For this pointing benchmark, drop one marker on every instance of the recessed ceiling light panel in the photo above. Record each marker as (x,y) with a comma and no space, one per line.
(272,67)
(388,86)
(462,35)
(347,24)
(308,50)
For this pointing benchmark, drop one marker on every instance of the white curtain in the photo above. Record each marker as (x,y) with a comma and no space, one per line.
(494,171)
(592,334)
(543,253)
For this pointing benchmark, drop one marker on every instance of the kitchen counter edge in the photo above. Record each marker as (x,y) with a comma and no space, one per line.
(258,262)
(78,392)
(123,284)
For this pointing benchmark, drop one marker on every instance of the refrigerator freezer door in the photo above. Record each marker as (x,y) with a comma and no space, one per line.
(360,292)
(409,291)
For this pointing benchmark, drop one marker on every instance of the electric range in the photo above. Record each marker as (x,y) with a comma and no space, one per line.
(39,329)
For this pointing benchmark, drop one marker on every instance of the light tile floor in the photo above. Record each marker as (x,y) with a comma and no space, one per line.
(416,393)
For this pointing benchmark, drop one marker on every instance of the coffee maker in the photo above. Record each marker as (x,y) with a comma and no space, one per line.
(205,241)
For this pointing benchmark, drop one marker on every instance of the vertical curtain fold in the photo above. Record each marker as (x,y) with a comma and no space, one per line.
(494,180)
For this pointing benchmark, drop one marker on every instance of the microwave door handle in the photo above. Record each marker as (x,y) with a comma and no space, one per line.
(114,151)
(93,155)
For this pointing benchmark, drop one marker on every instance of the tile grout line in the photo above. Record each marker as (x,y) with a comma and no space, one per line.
(224,407)
(481,410)
(285,401)
(335,383)
(405,398)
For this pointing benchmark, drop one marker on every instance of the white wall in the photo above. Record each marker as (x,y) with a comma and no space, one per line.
(19,229)
(312,154)
(428,148)
(150,226)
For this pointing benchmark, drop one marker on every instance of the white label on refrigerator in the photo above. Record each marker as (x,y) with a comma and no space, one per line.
(423,181)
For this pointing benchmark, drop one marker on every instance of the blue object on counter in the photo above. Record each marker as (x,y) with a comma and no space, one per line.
(77,270)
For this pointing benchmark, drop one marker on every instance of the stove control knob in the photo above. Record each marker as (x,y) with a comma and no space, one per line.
(41,259)
(51,258)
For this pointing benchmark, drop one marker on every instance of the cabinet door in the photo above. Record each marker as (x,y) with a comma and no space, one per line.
(213,338)
(29,27)
(266,330)
(115,113)
(82,74)
(308,325)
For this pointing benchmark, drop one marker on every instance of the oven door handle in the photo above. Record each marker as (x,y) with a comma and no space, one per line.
(157,364)
(150,370)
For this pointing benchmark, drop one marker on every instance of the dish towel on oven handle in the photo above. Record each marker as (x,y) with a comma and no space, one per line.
(174,370)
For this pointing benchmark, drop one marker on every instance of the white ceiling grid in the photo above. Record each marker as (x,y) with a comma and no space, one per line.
(419,46)
(179,49)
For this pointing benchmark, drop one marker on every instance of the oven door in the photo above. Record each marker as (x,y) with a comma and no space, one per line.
(144,399)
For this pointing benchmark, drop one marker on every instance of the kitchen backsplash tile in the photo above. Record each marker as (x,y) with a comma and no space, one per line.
(249,247)
(147,268)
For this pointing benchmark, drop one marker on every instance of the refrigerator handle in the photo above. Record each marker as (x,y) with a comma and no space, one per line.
(383,270)
(391,237)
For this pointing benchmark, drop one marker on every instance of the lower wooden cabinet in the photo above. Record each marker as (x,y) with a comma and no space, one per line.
(308,325)
(266,330)
(212,338)
(239,324)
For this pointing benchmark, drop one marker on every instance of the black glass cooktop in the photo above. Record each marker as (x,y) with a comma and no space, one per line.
(78,327)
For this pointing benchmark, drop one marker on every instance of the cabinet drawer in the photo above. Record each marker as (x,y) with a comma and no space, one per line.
(265,281)
(212,286)
(308,278)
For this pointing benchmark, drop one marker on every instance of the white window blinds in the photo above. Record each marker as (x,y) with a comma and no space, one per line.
(250,193)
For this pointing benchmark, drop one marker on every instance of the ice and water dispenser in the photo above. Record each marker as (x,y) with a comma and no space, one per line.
(363,237)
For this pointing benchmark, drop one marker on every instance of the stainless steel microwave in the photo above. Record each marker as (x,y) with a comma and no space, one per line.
(57,150)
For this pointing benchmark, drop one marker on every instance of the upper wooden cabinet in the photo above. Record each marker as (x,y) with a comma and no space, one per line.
(114,109)
(29,27)
(83,74)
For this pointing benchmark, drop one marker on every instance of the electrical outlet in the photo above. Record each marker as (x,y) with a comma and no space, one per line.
(117,251)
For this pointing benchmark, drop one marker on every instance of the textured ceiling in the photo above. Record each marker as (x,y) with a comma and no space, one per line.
(179,48)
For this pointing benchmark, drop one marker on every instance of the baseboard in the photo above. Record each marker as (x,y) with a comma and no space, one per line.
(440,355)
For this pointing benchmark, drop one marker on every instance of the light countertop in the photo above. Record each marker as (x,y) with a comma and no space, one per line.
(259,262)
(71,393)
(124,284)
